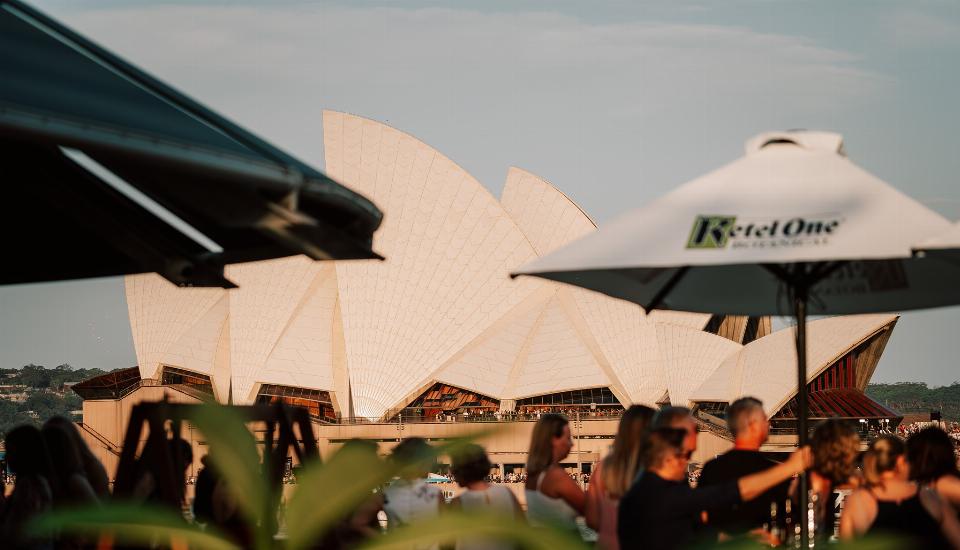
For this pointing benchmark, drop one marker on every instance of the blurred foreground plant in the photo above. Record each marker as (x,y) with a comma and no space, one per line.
(326,493)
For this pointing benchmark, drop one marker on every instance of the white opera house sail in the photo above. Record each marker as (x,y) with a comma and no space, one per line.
(439,327)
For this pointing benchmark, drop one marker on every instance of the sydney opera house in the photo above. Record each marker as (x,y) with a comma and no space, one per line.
(438,333)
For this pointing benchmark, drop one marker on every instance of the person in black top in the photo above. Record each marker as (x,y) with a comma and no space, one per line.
(660,511)
(749,425)
(891,505)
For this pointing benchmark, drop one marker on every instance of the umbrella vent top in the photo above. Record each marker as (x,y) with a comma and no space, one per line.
(805,139)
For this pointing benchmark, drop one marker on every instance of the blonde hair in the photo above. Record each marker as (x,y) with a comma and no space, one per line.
(540,456)
(623,462)
(881,457)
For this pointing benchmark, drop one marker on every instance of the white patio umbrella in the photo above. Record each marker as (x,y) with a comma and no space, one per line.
(945,246)
(793,227)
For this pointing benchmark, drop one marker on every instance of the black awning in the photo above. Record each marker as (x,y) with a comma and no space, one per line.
(80,128)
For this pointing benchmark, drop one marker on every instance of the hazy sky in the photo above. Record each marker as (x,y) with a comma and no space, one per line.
(613,102)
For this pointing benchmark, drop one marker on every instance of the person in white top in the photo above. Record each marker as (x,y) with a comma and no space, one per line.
(470,468)
(553,499)
(410,498)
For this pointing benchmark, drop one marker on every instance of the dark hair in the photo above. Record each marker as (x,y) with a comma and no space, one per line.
(540,455)
(26,452)
(415,452)
(65,459)
(659,442)
(666,416)
(930,454)
(470,464)
(881,457)
(836,446)
(740,411)
(95,472)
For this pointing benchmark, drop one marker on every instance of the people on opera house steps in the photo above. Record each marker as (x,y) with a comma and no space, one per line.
(411,498)
(553,499)
(930,453)
(612,477)
(749,426)
(889,504)
(470,468)
(661,511)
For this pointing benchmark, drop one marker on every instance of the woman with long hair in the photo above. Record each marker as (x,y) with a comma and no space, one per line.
(613,476)
(69,478)
(933,463)
(92,467)
(892,505)
(553,499)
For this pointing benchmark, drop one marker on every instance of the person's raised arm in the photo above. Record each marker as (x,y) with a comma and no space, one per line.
(754,485)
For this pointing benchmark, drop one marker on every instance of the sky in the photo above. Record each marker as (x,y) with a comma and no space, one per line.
(613,102)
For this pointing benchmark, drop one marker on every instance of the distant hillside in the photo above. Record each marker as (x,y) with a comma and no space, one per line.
(32,394)
(906,397)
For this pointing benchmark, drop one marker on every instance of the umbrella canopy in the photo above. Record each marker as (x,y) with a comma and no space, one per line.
(108,171)
(943,246)
(727,242)
(793,226)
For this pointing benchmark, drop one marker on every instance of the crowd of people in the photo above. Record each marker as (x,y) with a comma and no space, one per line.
(638,496)
(522,413)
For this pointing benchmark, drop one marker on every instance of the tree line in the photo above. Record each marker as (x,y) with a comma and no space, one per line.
(907,397)
(43,388)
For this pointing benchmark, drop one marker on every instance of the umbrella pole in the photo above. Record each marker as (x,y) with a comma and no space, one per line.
(800,311)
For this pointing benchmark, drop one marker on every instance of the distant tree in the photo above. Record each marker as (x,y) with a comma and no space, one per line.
(35,376)
(9,416)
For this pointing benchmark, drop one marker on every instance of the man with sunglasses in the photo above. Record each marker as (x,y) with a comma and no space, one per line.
(662,511)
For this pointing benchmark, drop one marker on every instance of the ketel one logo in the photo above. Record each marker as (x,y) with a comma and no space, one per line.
(713,232)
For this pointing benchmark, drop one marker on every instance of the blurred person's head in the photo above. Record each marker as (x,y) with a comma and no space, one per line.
(93,468)
(620,468)
(470,465)
(549,444)
(26,453)
(664,453)
(415,452)
(885,459)
(680,418)
(836,446)
(65,459)
(930,453)
(748,423)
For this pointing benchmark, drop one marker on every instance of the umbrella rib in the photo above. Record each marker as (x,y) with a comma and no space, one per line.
(659,297)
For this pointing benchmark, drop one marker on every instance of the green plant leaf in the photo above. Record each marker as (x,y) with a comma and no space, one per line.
(235,456)
(449,527)
(129,524)
(327,492)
